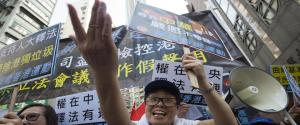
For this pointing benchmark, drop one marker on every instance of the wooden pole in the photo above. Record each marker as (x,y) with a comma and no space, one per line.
(13,99)
(190,74)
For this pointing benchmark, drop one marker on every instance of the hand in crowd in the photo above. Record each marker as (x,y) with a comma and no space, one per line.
(96,45)
(10,119)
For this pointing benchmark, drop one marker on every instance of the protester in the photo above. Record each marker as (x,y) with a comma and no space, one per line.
(33,114)
(100,53)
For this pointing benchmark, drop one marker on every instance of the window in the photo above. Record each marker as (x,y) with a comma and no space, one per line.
(231,14)
(9,39)
(37,11)
(20,29)
(228,10)
(246,34)
(240,27)
(29,20)
(250,42)
(224,5)
(266,9)
(46,5)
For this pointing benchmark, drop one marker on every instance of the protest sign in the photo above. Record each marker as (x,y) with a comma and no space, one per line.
(174,72)
(179,29)
(78,108)
(30,58)
(278,72)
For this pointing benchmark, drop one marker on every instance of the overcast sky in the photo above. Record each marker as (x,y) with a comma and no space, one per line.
(117,6)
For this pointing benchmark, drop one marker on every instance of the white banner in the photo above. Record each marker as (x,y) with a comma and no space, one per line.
(78,108)
(174,72)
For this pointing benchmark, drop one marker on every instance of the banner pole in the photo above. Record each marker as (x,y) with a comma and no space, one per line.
(190,74)
(13,99)
(289,117)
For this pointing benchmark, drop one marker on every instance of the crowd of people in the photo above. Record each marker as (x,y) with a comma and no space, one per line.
(162,99)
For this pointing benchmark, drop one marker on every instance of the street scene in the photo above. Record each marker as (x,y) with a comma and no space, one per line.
(149,62)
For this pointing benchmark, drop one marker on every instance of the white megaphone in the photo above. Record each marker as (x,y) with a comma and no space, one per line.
(257,89)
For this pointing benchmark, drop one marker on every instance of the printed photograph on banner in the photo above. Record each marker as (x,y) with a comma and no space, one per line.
(178,29)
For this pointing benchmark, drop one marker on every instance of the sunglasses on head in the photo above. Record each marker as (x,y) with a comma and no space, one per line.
(30,116)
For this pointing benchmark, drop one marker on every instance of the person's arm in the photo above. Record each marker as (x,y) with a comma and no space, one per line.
(220,110)
(100,52)
(10,119)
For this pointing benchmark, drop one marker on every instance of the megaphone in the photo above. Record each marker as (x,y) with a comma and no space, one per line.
(257,89)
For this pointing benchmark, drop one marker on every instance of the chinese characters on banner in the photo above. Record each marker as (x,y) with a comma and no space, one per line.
(78,108)
(29,58)
(278,73)
(179,29)
(137,53)
(174,72)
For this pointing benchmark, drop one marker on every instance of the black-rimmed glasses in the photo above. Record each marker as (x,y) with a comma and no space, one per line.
(30,116)
(166,101)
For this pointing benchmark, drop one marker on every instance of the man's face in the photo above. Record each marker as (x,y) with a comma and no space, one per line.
(164,111)
(33,116)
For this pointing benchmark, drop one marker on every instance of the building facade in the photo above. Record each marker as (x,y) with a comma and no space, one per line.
(130,5)
(266,31)
(84,9)
(20,18)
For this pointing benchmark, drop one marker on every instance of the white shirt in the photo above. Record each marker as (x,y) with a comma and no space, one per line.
(178,121)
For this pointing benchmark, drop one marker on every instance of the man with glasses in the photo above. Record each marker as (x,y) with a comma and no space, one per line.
(98,49)
(32,114)
(162,100)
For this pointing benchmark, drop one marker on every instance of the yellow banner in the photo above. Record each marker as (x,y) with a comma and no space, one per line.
(278,73)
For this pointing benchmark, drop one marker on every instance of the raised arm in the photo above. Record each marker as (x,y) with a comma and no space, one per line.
(220,110)
(98,49)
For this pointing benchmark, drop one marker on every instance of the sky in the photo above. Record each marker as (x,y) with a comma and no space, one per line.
(116,7)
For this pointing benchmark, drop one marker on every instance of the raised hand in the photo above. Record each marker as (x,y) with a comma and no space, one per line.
(189,62)
(10,119)
(100,52)
(96,45)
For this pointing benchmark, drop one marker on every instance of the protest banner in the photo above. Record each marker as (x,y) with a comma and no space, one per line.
(174,72)
(30,58)
(278,72)
(179,29)
(70,66)
(79,108)
(137,53)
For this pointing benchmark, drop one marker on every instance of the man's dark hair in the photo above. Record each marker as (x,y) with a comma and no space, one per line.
(49,113)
